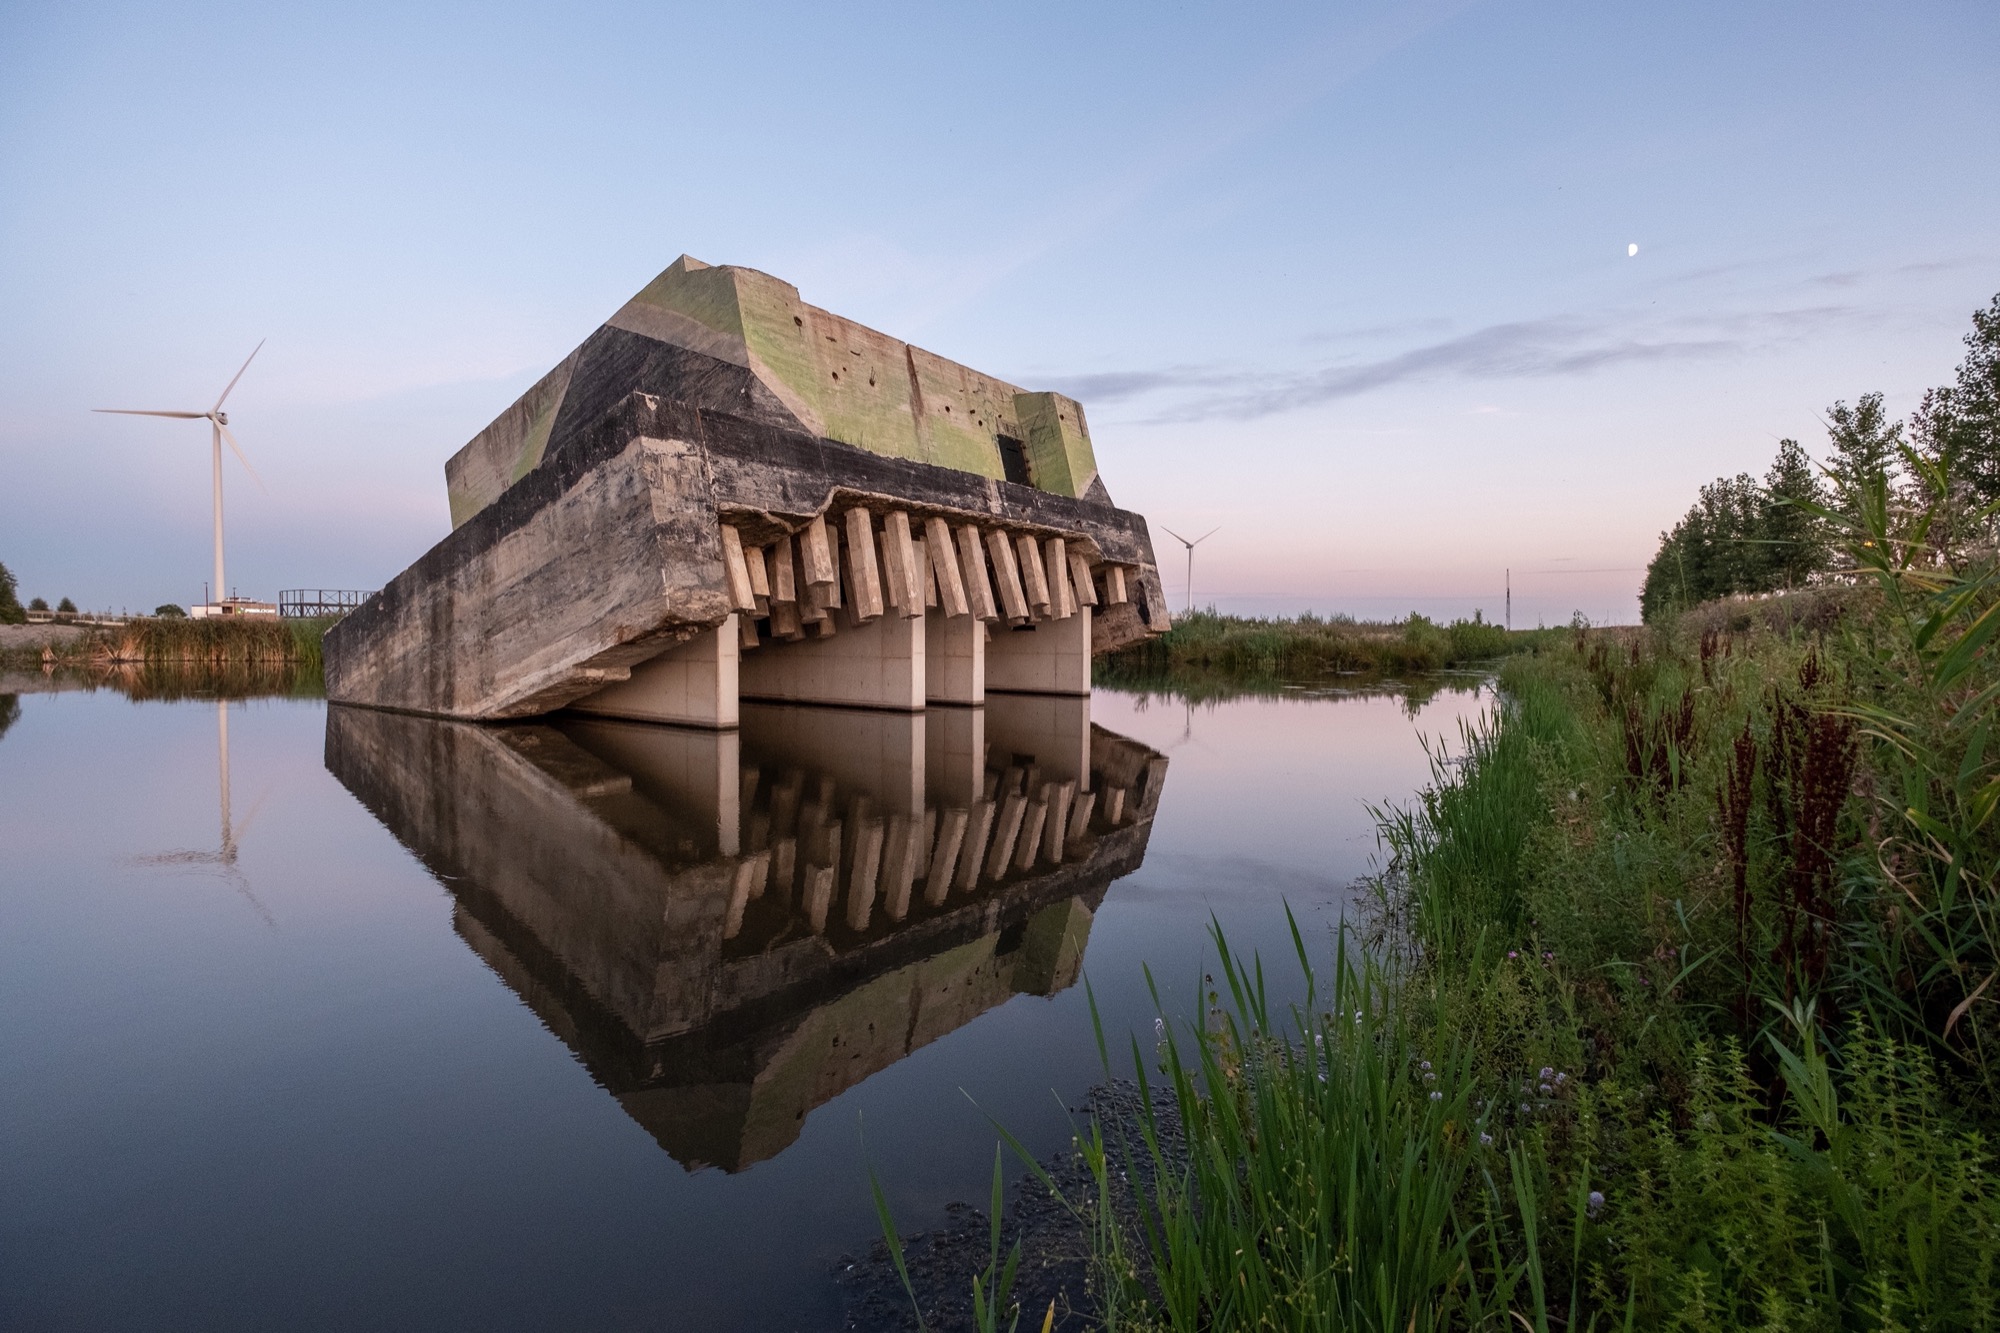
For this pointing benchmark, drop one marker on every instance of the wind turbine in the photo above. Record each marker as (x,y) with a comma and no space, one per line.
(1190,554)
(218,424)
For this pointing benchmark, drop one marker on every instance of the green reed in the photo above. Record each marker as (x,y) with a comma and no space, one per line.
(1203,643)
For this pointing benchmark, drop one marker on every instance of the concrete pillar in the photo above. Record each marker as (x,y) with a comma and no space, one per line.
(954,659)
(1050,732)
(955,756)
(877,665)
(695,774)
(1045,657)
(693,684)
(880,755)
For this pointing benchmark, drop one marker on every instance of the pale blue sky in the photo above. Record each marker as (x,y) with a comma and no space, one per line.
(1349,280)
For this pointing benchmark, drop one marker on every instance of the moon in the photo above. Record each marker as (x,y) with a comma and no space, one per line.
(1631,249)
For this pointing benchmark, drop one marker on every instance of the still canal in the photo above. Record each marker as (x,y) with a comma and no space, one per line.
(322,1018)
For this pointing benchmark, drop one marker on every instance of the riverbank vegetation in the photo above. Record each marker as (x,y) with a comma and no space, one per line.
(169,657)
(1679,1007)
(1207,650)
(1679,1012)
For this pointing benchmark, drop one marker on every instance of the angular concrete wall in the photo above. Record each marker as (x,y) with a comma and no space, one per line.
(735,340)
(608,553)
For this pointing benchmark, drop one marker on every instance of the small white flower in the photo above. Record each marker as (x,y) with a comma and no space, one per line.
(1437,1096)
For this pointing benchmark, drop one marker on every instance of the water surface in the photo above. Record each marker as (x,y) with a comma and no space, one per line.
(411,1024)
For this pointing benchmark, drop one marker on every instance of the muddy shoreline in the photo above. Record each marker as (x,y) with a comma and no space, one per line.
(1056,1264)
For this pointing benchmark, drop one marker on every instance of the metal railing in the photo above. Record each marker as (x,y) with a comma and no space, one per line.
(304,603)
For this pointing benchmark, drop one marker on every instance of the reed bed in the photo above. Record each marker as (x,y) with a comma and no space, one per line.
(213,641)
(1204,643)
(174,658)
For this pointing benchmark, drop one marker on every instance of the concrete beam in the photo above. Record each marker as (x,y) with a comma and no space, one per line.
(978,588)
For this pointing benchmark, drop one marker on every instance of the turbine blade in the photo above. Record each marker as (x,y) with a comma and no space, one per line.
(241,459)
(1176,536)
(135,412)
(1206,535)
(239,374)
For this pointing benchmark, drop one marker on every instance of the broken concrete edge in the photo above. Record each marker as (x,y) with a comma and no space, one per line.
(751,471)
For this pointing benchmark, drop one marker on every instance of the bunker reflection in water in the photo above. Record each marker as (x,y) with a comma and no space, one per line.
(731,928)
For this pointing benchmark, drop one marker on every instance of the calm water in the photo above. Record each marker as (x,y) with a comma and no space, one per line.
(592,1024)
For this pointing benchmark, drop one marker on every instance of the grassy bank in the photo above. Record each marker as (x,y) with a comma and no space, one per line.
(1678,1010)
(166,657)
(1204,645)
(1677,1018)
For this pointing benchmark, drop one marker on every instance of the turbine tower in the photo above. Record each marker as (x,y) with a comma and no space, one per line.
(1190,554)
(218,423)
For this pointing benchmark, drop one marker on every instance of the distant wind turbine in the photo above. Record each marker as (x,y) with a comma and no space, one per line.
(1190,554)
(218,423)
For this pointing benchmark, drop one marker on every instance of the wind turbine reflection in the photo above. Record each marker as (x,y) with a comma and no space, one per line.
(222,861)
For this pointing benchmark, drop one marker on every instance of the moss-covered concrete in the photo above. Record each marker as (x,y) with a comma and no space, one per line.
(802,368)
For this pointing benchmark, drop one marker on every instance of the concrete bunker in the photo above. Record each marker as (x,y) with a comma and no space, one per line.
(727,494)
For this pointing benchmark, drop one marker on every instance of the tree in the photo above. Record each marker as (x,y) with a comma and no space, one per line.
(66,607)
(39,604)
(1866,445)
(1713,551)
(1743,538)
(171,610)
(1958,425)
(1796,544)
(11,611)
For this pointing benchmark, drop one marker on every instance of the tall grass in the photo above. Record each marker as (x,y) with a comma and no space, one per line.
(168,658)
(1309,646)
(1651,1031)
(1680,1008)
(1338,1173)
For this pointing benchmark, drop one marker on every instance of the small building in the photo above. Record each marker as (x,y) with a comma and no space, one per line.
(233,606)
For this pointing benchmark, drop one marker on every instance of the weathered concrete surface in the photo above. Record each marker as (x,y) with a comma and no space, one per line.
(730,929)
(607,552)
(734,340)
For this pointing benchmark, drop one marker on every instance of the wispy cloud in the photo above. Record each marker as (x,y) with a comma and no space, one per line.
(1521,349)
(1312,69)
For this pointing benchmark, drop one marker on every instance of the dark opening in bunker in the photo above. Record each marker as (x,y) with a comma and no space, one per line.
(1014,459)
